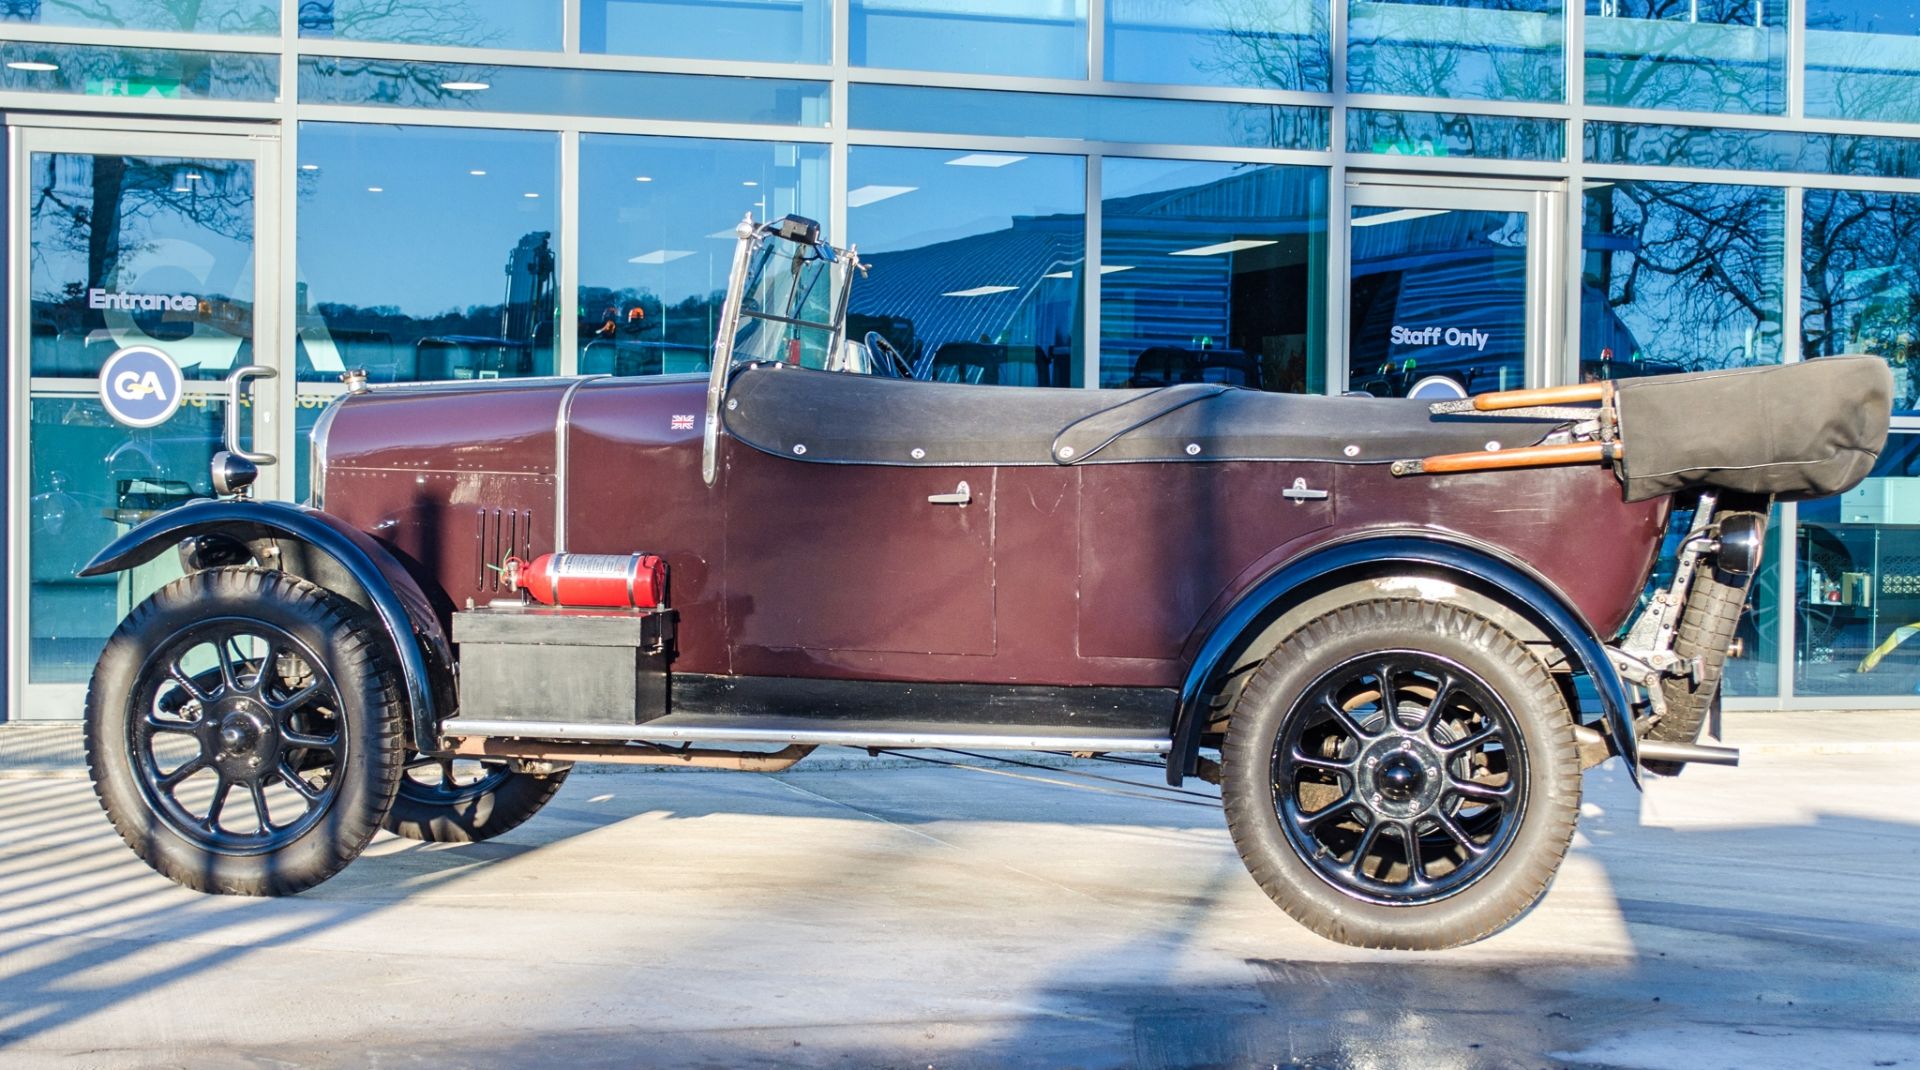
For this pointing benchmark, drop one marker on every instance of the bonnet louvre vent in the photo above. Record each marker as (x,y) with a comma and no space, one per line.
(500,534)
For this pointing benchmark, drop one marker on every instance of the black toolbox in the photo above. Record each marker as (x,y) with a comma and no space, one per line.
(580,666)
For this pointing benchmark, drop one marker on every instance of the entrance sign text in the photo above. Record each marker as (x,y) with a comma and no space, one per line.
(98,298)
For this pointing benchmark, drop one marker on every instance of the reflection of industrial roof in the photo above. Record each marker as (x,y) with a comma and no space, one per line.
(914,284)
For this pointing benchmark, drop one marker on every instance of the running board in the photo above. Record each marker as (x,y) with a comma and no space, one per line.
(822,732)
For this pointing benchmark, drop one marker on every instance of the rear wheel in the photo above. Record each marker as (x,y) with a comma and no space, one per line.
(244,731)
(1401,774)
(461,800)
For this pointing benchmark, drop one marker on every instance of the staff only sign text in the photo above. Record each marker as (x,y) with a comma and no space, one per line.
(141,386)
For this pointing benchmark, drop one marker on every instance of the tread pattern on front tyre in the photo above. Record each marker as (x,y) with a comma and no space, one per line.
(1552,752)
(356,643)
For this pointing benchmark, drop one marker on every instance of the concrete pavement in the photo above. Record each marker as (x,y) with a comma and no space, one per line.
(1756,917)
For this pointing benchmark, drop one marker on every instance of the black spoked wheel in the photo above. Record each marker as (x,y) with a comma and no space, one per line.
(245,757)
(1401,774)
(464,800)
(244,731)
(1401,777)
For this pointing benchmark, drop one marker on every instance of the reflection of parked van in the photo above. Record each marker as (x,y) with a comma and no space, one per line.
(993,364)
(1167,365)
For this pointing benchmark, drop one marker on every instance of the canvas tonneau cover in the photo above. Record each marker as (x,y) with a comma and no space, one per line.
(837,418)
(1794,431)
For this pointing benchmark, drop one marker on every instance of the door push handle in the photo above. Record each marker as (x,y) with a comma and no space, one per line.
(1301,493)
(961,495)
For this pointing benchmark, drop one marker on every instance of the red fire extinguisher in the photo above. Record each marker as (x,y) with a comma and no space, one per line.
(611,581)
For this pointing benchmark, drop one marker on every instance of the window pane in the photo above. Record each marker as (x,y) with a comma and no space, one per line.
(204,16)
(140,250)
(1269,44)
(1858,593)
(1040,38)
(1753,150)
(781,31)
(426,253)
(1680,277)
(1425,133)
(1213,272)
(1437,292)
(976,261)
(1860,282)
(1067,115)
(1863,59)
(523,24)
(656,239)
(160,73)
(1476,49)
(93,480)
(550,91)
(1694,55)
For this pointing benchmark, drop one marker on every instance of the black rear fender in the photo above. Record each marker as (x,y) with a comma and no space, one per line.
(1502,590)
(326,551)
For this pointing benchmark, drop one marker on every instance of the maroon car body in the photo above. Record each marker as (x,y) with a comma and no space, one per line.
(1106,575)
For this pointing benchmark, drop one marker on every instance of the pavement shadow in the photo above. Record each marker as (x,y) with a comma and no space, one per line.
(65,884)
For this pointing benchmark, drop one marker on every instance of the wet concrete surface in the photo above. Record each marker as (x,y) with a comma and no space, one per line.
(1757,917)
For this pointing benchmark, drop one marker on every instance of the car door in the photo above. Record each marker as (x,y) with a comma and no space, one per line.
(866,566)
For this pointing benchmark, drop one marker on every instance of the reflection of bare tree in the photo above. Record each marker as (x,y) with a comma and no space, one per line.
(202,16)
(423,22)
(126,194)
(1701,273)
(392,82)
(1682,54)
(1255,45)
(1388,54)
(1857,93)
(1443,134)
(143,71)
(1860,291)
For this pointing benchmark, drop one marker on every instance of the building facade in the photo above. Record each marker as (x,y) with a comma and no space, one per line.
(1301,195)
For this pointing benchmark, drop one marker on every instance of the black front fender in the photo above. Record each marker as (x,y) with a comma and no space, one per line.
(1524,591)
(396,599)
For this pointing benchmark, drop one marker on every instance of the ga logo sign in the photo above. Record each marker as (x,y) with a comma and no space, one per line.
(140,386)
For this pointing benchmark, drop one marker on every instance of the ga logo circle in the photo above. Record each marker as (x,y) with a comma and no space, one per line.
(140,386)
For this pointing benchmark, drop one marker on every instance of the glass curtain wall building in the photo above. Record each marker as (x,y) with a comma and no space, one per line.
(1315,196)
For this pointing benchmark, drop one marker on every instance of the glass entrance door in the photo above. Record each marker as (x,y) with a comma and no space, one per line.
(123,240)
(1447,288)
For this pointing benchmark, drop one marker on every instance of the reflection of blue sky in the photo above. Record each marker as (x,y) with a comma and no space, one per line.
(435,237)
(660,235)
(1042,38)
(780,31)
(938,200)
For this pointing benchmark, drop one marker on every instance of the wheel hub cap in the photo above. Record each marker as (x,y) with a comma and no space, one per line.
(244,739)
(1400,777)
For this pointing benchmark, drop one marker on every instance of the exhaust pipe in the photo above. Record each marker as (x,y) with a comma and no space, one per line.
(1654,750)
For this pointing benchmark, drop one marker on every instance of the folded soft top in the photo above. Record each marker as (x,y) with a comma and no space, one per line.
(1794,431)
(835,418)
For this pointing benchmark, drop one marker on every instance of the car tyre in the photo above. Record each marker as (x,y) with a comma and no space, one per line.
(1401,774)
(459,801)
(244,731)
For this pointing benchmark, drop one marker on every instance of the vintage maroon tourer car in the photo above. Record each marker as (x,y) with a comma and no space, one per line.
(1394,633)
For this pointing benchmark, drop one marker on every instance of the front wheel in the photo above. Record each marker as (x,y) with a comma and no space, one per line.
(244,731)
(1401,774)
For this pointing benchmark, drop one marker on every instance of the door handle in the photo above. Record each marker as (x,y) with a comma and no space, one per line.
(236,387)
(961,495)
(1301,493)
